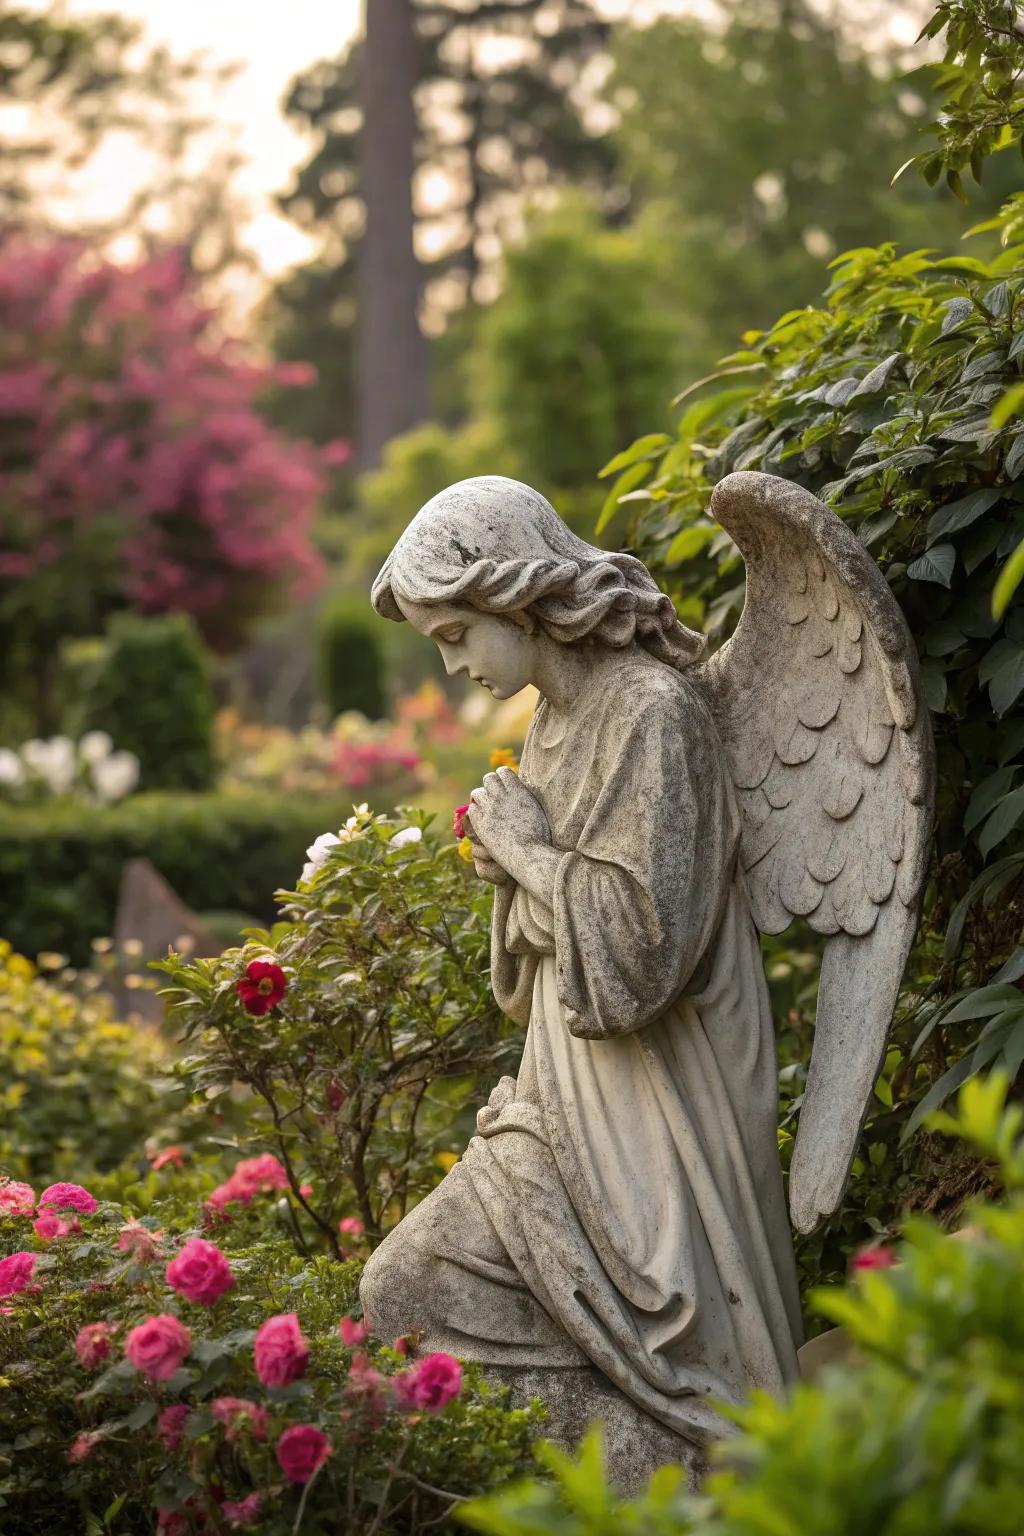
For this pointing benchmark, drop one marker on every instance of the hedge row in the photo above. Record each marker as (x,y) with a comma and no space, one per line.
(60,866)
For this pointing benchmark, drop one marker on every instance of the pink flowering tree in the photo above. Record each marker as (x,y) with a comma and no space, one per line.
(135,467)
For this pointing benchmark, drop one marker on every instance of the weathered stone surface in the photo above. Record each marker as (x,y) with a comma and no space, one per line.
(151,916)
(616,1228)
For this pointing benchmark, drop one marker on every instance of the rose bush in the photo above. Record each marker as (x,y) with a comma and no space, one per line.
(133,1403)
(379,1037)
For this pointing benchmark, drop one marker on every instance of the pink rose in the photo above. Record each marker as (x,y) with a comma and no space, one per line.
(92,1344)
(16,1199)
(352,1333)
(171,1425)
(83,1445)
(237,1414)
(140,1242)
(68,1197)
(366,1390)
(301,1451)
(48,1227)
(459,820)
(877,1257)
(158,1346)
(244,1512)
(16,1272)
(351,1226)
(200,1272)
(172,1155)
(430,1384)
(280,1351)
(170,1523)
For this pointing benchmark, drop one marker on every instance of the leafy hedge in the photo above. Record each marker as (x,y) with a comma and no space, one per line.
(60,865)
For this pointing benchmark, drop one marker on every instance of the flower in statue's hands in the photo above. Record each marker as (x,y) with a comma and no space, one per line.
(506,818)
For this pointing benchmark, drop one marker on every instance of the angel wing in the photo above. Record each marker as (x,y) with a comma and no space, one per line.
(817,700)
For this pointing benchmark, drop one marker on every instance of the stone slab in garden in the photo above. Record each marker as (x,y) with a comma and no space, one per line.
(151,916)
(615,1236)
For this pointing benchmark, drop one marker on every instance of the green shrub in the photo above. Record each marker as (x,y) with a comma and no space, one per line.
(83,1450)
(924,1438)
(78,1092)
(350,658)
(60,866)
(151,690)
(387,1036)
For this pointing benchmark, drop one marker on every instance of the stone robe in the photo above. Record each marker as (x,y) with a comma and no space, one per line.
(622,1203)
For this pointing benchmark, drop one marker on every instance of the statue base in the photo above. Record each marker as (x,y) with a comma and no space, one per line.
(635,1444)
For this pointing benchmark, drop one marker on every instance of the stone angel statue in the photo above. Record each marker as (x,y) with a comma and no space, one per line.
(615,1236)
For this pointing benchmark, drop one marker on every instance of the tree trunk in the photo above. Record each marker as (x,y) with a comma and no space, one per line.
(391,377)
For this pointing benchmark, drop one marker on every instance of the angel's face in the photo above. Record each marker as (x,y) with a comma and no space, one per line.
(491,650)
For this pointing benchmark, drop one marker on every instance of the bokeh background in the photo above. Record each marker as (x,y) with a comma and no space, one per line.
(268,280)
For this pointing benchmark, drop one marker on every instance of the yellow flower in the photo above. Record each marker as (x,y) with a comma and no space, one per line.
(504,757)
(17,965)
(446,1160)
(466,849)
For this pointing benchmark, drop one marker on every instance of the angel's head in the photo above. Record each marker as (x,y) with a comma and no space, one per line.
(489,571)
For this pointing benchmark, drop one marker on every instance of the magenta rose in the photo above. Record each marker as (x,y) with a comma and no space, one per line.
(280,1351)
(48,1226)
(171,1425)
(200,1272)
(92,1344)
(16,1272)
(301,1451)
(68,1197)
(431,1384)
(158,1346)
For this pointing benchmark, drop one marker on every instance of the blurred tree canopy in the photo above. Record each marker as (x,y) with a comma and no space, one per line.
(760,148)
(502,113)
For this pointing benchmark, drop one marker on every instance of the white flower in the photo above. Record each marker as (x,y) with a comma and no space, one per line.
(115,776)
(406,836)
(95,745)
(317,852)
(54,761)
(308,871)
(12,769)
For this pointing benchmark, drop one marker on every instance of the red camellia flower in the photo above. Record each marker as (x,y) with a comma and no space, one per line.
(16,1272)
(301,1450)
(459,821)
(68,1197)
(92,1344)
(262,987)
(430,1384)
(158,1346)
(200,1272)
(280,1351)
(878,1257)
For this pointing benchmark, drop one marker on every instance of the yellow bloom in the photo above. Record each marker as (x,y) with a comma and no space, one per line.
(504,757)
(466,849)
(446,1160)
(17,965)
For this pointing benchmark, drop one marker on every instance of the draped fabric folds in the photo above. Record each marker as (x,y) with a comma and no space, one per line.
(622,1201)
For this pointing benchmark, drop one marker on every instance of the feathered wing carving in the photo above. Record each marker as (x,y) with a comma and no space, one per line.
(817,701)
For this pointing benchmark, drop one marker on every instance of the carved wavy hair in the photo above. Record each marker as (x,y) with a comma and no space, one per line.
(498,546)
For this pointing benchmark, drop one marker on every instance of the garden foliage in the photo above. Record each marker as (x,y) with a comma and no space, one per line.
(351,671)
(79,1089)
(385,1038)
(889,400)
(923,1436)
(151,690)
(169,1367)
(136,468)
(61,863)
